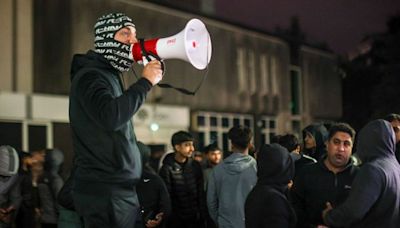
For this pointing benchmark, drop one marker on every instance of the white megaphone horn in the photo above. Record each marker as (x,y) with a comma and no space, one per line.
(192,44)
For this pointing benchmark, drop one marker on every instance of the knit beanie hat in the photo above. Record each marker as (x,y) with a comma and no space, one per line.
(115,52)
(9,161)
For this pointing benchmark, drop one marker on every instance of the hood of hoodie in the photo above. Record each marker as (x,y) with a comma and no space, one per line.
(274,165)
(90,60)
(376,140)
(237,162)
(9,161)
(53,160)
(319,132)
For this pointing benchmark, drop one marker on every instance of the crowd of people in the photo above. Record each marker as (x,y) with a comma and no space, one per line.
(335,187)
(330,179)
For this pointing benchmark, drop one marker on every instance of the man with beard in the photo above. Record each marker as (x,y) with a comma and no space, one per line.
(329,180)
(375,197)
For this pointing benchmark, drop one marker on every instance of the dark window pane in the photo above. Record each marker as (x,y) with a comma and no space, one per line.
(271,136)
(200,120)
(236,122)
(262,125)
(225,122)
(37,137)
(201,142)
(247,122)
(295,92)
(11,134)
(272,124)
(225,142)
(263,139)
(213,136)
(213,121)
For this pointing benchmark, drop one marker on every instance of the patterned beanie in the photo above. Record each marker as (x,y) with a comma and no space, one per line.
(115,52)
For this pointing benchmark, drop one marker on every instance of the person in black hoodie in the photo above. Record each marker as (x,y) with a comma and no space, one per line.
(154,199)
(108,165)
(375,195)
(267,204)
(394,120)
(291,143)
(330,179)
(314,137)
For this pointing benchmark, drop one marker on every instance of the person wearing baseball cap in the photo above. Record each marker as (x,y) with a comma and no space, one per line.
(107,163)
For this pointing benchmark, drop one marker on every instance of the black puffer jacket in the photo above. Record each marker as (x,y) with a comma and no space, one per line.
(315,185)
(185,186)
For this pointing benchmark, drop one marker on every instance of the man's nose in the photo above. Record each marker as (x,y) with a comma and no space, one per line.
(133,40)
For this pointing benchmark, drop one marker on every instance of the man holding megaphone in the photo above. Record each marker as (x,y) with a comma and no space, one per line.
(107,163)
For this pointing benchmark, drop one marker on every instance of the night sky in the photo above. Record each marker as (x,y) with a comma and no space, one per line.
(340,23)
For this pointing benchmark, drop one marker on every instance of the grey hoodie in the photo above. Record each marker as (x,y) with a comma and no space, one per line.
(228,186)
(374,199)
(50,185)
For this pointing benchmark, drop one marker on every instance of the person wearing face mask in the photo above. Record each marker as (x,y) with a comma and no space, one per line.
(107,163)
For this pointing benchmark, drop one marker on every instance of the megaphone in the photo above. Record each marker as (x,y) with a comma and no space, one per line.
(192,44)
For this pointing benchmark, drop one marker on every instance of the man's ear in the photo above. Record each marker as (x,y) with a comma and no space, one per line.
(176,147)
(298,149)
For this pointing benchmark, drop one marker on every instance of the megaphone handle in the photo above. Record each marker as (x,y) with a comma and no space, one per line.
(148,56)
(145,61)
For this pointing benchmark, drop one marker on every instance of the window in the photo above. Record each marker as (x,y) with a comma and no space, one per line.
(37,137)
(268,129)
(11,134)
(214,127)
(295,89)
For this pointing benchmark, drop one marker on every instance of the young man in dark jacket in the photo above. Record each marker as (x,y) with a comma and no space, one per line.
(155,203)
(329,180)
(107,160)
(314,137)
(183,177)
(375,196)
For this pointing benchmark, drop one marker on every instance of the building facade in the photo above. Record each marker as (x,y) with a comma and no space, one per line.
(250,79)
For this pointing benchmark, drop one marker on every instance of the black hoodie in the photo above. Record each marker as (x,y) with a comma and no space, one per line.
(320,134)
(100,113)
(267,204)
(375,196)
